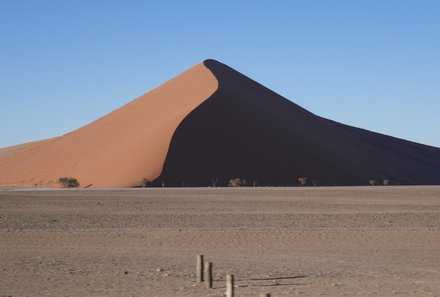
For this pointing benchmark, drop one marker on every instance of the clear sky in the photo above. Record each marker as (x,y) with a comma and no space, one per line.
(371,64)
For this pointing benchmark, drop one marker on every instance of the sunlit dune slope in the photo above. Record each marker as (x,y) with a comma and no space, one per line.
(119,149)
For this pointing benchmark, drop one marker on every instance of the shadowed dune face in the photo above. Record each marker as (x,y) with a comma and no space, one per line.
(213,123)
(119,149)
(245,130)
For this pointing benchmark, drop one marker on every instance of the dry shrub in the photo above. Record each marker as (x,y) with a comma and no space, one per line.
(68,182)
(235,182)
(144,183)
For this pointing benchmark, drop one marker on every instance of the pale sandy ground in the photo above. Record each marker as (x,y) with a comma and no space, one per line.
(366,241)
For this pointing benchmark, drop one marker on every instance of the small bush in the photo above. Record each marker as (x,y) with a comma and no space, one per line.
(386,182)
(372,182)
(145,182)
(68,182)
(235,182)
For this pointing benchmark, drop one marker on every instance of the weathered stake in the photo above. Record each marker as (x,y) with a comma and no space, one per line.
(229,285)
(208,275)
(199,268)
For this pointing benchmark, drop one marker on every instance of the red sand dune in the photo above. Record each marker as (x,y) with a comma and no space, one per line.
(213,122)
(120,148)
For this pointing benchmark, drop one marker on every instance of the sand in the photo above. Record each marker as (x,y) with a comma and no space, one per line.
(358,241)
(244,130)
(119,149)
(17,149)
(212,122)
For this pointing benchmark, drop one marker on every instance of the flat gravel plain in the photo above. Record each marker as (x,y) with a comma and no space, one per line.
(335,241)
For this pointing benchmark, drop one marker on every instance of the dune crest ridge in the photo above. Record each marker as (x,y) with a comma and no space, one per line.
(119,149)
(212,124)
(245,130)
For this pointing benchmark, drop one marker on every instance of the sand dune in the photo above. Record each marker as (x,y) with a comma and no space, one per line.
(119,149)
(214,122)
(245,130)
(15,149)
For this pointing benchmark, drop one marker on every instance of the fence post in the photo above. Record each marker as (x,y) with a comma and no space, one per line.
(199,268)
(208,275)
(229,285)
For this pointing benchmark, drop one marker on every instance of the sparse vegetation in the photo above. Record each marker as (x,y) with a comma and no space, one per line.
(302,181)
(214,181)
(314,182)
(235,182)
(372,182)
(68,182)
(145,183)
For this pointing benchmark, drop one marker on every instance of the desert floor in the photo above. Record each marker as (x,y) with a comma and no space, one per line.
(359,241)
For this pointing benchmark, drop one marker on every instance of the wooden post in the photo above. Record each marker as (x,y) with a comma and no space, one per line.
(199,268)
(264,295)
(208,275)
(229,285)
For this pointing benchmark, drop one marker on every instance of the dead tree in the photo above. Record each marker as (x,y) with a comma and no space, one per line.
(214,181)
(302,181)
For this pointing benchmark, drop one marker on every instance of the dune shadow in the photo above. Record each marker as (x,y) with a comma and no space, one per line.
(277,278)
(264,285)
(263,279)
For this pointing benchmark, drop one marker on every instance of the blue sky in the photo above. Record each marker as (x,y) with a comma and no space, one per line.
(371,64)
